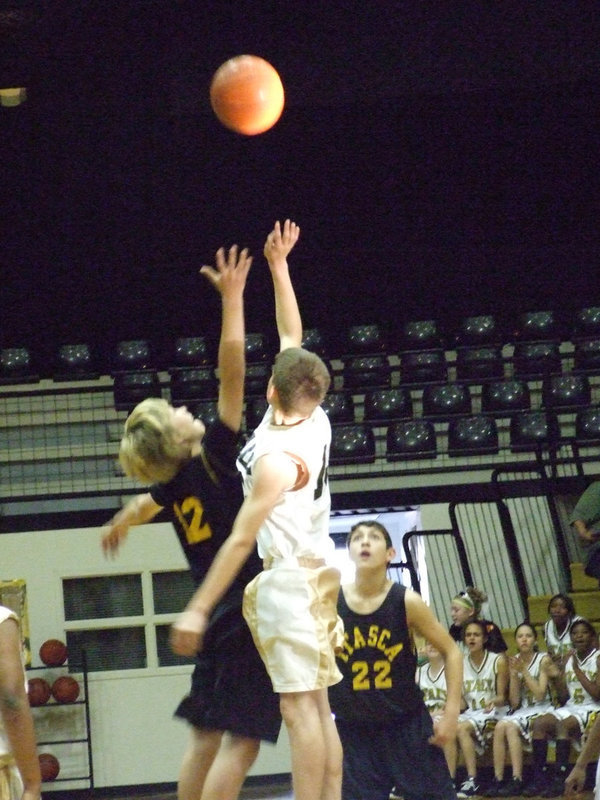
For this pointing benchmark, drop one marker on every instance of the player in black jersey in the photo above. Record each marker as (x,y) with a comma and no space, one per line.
(387,733)
(231,705)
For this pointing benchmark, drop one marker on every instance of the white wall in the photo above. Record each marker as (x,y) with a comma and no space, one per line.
(135,738)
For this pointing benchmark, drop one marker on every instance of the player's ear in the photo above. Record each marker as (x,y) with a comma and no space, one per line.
(391,554)
(271,391)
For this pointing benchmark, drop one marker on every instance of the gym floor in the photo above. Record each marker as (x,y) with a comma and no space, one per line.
(276,788)
(274,792)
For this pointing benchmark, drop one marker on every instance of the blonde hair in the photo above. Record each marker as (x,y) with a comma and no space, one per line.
(301,380)
(149,449)
(471,597)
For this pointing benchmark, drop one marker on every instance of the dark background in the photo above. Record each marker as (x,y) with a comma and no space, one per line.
(440,158)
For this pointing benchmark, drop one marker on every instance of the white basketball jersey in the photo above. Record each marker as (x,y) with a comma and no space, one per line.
(589,667)
(299,524)
(479,683)
(433,686)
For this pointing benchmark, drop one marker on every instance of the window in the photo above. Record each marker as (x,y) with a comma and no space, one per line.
(122,621)
(112,649)
(98,598)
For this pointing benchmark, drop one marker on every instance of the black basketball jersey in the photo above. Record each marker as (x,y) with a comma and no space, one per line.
(203,502)
(378,663)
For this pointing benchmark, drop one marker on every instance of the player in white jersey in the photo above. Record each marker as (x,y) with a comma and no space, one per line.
(294,543)
(579,689)
(485,680)
(20,777)
(529,696)
(557,629)
(295,527)
(431,678)
(291,607)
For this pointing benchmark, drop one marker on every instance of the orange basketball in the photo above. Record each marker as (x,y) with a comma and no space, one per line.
(53,652)
(38,691)
(65,689)
(247,95)
(49,766)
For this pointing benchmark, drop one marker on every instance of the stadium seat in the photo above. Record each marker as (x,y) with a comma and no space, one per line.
(387,405)
(505,398)
(411,439)
(339,407)
(352,444)
(533,430)
(475,435)
(479,363)
(446,401)
(566,392)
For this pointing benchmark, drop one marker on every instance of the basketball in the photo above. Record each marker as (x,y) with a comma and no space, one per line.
(53,653)
(65,689)
(38,691)
(247,95)
(49,766)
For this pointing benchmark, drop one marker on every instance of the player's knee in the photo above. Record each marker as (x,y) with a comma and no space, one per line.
(245,749)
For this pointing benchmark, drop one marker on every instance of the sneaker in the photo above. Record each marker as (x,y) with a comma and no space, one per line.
(469,788)
(512,788)
(537,786)
(494,789)
(556,787)
(394,795)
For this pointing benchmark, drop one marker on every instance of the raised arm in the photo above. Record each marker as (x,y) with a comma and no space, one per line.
(422,620)
(277,248)
(15,710)
(229,279)
(273,474)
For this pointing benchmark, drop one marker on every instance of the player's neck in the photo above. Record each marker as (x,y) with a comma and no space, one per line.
(195,447)
(477,657)
(281,418)
(526,657)
(370,583)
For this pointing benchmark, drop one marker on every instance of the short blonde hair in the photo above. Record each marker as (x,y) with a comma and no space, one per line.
(301,380)
(149,449)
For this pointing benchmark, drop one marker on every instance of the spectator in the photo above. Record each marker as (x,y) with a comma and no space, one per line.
(585,518)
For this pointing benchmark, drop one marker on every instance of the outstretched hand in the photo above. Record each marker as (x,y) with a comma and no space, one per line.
(280,241)
(187,633)
(444,730)
(231,272)
(575,781)
(113,534)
